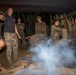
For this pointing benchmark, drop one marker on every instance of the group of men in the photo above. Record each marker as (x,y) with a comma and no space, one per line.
(12,31)
(56,31)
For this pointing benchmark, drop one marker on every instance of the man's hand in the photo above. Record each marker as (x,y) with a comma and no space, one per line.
(22,27)
(19,37)
(1,17)
(64,29)
(17,32)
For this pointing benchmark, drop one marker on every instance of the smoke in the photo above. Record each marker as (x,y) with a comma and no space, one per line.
(50,57)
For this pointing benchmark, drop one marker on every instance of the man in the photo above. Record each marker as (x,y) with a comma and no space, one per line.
(69,22)
(10,32)
(20,27)
(63,23)
(40,26)
(40,32)
(55,31)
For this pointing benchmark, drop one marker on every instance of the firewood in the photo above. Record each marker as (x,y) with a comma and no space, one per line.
(11,71)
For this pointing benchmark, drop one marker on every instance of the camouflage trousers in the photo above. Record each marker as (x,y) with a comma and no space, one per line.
(55,38)
(12,45)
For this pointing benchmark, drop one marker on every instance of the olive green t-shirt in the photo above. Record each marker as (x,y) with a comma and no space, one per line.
(20,28)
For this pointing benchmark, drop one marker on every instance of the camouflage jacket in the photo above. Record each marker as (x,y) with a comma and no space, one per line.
(55,30)
(40,28)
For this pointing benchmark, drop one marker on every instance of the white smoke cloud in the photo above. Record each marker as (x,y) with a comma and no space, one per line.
(49,57)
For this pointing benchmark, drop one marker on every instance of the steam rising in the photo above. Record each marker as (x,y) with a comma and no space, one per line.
(49,57)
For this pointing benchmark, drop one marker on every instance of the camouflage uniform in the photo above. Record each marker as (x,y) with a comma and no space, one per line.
(70,27)
(55,32)
(63,24)
(10,38)
(40,28)
(11,43)
(74,26)
(20,28)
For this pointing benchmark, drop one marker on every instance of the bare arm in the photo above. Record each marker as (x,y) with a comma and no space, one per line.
(17,32)
(2,17)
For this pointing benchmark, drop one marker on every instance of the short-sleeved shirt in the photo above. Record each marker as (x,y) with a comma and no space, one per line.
(20,28)
(9,24)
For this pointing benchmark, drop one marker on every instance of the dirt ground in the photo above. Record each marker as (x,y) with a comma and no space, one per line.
(22,52)
(3,60)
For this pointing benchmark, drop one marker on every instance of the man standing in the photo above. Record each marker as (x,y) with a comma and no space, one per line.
(40,27)
(40,32)
(20,27)
(10,32)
